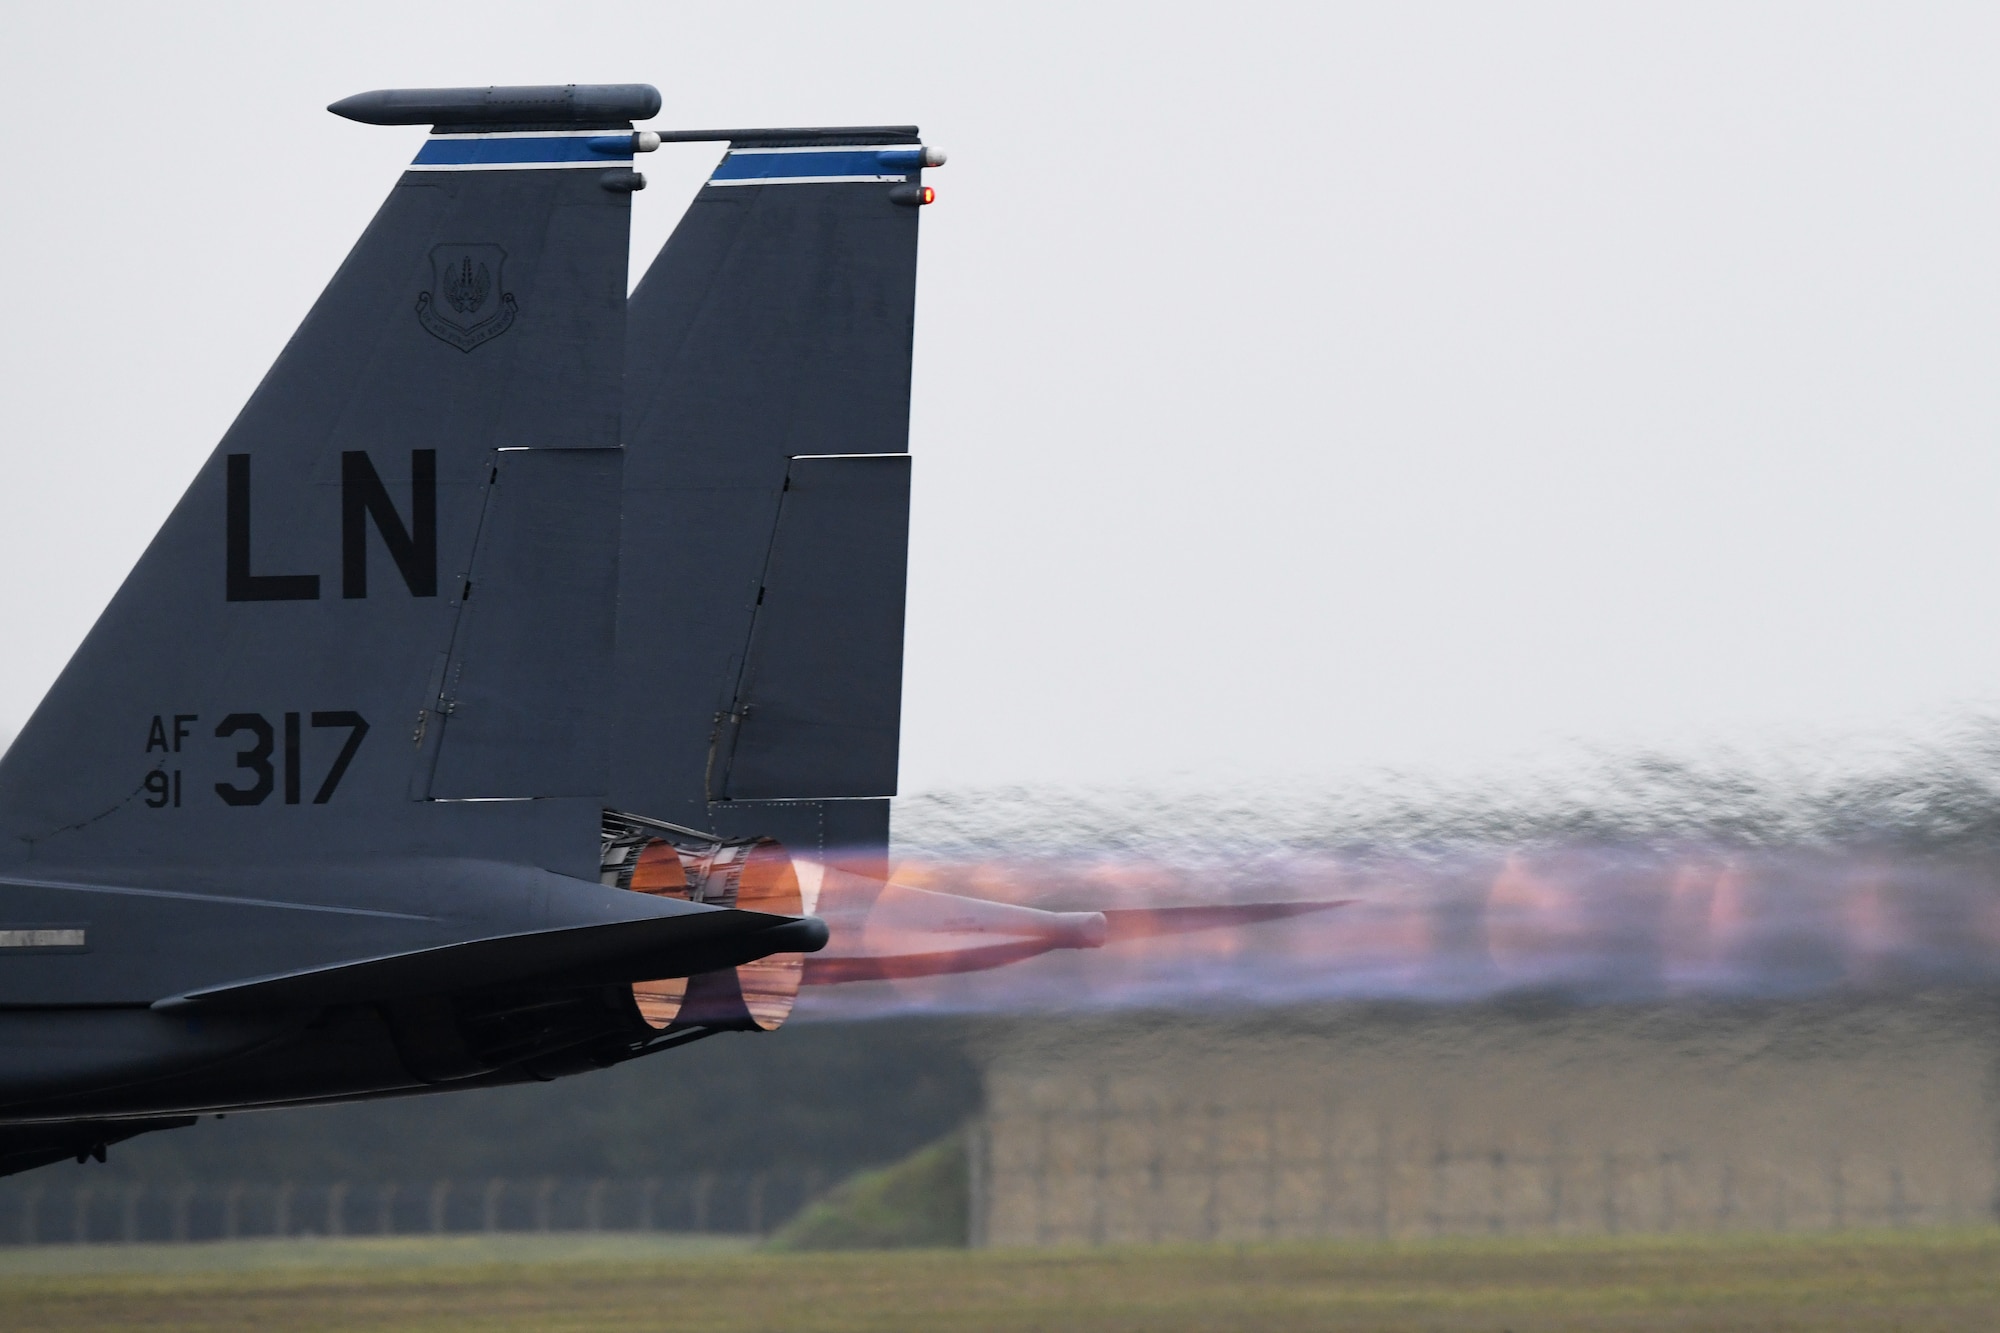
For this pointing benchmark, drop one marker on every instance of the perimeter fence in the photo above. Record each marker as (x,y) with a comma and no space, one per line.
(34,1212)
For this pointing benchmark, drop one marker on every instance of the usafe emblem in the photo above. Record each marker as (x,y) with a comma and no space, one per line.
(468,303)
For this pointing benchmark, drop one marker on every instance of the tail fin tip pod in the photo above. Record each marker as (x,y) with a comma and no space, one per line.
(551,104)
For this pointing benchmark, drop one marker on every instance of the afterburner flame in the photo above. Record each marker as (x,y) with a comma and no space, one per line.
(1589,921)
(749,874)
(766,989)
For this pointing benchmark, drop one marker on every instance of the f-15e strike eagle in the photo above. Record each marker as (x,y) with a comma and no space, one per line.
(521,674)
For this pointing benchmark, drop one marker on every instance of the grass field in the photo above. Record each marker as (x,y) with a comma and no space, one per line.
(1909,1282)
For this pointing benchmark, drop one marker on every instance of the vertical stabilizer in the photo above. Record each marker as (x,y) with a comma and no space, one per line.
(765,538)
(393,582)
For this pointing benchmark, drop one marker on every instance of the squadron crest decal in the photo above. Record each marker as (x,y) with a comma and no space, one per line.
(468,304)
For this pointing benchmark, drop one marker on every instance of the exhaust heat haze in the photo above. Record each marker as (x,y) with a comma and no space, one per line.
(1644,881)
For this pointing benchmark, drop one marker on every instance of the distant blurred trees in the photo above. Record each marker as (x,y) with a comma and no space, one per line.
(825,1096)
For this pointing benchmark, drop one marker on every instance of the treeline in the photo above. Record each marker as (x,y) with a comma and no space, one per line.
(1932,793)
(830,1097)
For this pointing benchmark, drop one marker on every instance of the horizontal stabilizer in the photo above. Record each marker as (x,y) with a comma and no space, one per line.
(691,939)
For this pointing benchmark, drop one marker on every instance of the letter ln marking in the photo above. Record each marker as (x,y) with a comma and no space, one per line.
(364,502)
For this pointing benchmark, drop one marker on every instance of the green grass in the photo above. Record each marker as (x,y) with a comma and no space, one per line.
(1912,1282)
(361,1253)
(920,1202)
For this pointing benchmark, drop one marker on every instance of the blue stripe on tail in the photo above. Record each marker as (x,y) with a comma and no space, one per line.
(755,166)
(502,151)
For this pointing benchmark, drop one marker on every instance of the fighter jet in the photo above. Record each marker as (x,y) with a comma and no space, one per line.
(521,669)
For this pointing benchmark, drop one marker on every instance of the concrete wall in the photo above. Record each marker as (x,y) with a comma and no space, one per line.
(1403,1121)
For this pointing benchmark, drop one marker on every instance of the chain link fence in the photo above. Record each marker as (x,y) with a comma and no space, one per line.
(35,1212)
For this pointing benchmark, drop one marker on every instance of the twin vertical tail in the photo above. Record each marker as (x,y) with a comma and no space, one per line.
(492,551)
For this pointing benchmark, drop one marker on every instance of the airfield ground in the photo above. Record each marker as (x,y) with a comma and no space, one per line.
(1911,1282)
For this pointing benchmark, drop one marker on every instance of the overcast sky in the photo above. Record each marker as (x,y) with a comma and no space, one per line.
(1299,388)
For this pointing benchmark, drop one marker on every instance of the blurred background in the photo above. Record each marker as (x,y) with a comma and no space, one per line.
(1636,996)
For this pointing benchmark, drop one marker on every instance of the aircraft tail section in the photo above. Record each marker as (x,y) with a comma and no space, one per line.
(380,620)
(766,492)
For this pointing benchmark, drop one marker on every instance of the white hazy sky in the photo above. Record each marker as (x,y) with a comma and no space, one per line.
(1299,387)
